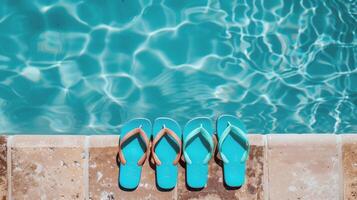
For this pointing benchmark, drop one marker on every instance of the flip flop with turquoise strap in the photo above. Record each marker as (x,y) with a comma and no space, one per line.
(133,150)
(198,149)
(166,151)
(233,149)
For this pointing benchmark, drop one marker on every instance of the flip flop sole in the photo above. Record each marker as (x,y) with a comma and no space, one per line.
(234,174)
(129,176)
(197,175)
(166,176)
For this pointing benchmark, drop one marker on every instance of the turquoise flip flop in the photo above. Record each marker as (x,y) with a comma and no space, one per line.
(233,149)
(133,150)
(198,149)
(166,151)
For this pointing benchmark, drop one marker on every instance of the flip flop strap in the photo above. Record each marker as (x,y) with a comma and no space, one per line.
(130,134)
(208,137)
(162,133)
(241,135)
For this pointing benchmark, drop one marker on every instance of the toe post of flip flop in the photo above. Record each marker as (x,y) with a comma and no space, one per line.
(233,149)
(134,144)
(166,151)
(198,149)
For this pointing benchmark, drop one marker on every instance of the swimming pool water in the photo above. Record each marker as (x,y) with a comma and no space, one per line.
(85,67)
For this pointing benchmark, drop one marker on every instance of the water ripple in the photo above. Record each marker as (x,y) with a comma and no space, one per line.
(86,67)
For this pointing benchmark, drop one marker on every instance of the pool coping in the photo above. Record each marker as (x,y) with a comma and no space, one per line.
(305,166)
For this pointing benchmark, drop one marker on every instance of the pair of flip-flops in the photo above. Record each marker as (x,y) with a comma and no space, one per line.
(198,148)
(134,147)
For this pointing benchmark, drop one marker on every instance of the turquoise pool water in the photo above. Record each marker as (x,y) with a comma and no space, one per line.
(85,67)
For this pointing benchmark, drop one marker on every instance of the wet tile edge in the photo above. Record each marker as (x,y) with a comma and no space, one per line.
(38,141)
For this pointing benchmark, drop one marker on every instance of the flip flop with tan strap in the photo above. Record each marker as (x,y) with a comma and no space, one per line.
(166,151)
(134,145)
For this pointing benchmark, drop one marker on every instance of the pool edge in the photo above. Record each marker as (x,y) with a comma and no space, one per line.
(302,166)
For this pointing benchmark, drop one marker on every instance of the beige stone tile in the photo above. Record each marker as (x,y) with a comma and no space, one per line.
(47,167)
(3,167)
(303,167)
(253,189)
(104,171)
(349,164)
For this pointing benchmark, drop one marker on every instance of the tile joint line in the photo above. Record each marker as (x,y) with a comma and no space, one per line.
(266,169)
(8,160)
(340,166)
(86,167)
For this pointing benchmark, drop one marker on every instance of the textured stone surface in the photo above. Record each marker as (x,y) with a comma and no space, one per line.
(103,174)
(253,189)
(47,167)
(103,170)
(300,167)
(303,167)
(349,163)
(3,167)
